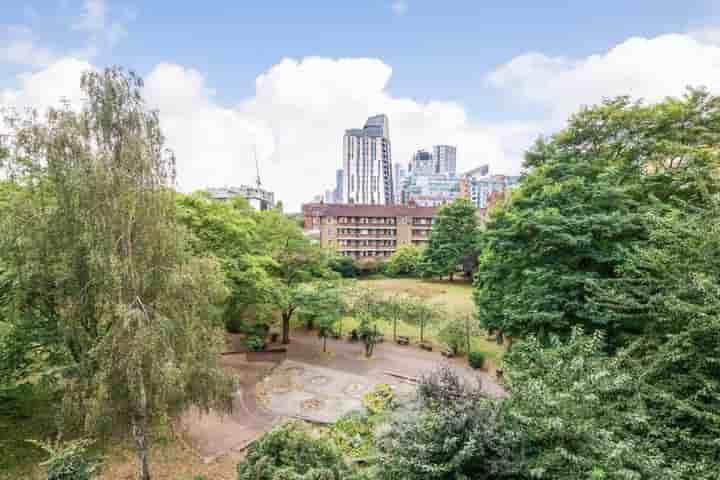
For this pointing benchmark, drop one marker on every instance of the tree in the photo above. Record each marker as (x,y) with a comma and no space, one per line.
(422,313)
(367,308)
(98,255)
(404,261)
(292,452)
(394,308)
(454,236)
(323,306)
(457,333)
(452,432)
(296,262)
(583,207)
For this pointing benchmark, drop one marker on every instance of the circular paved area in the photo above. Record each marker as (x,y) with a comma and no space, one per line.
(215,434)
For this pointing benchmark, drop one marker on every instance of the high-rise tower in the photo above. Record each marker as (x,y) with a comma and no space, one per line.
(367,163)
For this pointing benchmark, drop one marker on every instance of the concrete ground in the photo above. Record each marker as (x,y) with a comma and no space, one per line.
(310,384)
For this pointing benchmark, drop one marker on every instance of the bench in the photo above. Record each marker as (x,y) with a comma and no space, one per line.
(403,340)
(447,352)
(425,345)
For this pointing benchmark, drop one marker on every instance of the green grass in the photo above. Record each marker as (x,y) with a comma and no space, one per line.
(454,297)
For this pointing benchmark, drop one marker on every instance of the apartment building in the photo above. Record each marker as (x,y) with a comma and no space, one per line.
(367,163)
(368,230)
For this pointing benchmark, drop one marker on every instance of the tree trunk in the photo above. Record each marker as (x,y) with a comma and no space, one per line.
(451,276)
(324,343)
(138,432)
(467,333)
(395,320)
(285,328)
(422,330)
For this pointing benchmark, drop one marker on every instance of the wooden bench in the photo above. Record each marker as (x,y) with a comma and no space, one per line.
(447,352)
(403,340)
(426,346)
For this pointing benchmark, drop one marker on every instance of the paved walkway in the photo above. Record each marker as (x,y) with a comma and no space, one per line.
(215,435)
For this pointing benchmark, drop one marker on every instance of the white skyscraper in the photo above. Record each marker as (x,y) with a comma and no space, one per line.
(445,159)
(367,163)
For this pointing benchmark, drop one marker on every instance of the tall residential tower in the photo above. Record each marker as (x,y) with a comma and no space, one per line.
(367,163)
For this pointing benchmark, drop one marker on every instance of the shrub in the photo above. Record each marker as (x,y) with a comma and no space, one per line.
(291,452)
(254,342)
(345,266)
(353,434)
(380,400)
(404,261)
(476,359)
(69,460)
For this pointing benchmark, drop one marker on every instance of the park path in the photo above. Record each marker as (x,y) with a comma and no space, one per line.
(214,434)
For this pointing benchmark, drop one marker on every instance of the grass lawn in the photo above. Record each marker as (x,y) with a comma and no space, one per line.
(454,297)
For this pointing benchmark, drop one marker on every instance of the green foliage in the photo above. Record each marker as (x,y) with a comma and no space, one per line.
(254,343)
(353,434)
(69,460)
(292,452)
(584,206)
(95,254)
(346,266)
(457,333)
(454,237)
(380,400)
(453,432)
(476,359)
(404,261)
(422,313)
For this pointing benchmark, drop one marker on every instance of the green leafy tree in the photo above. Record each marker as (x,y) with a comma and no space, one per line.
(296,262)
(583,207)
(323,306)
(457,333)
(422,313)
(454,236)
(404,261)
(98,256)
(452,432)
(292,452)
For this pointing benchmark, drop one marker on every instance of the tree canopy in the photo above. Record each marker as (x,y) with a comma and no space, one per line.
(585,204)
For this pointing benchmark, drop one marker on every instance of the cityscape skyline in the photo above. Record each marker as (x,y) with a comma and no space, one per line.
(221,90)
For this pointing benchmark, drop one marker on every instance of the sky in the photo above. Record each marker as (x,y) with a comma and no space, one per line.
(286,78)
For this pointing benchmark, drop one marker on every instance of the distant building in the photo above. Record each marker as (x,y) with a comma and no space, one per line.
(258,198)
(399,176)
(481,189)
(339,186)
(367,162)
(367,230)
(480,171)
(422,163)
(445,159)
(329,196)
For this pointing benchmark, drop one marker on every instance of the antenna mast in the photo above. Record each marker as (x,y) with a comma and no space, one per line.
(257,168)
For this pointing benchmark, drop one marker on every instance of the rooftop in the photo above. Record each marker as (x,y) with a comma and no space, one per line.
(357,210)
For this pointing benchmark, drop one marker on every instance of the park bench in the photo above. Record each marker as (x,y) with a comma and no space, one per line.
(425,345)
(447,352)
(353,336)
(403,340)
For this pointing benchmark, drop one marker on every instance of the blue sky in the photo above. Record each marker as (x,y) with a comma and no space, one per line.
(487,59)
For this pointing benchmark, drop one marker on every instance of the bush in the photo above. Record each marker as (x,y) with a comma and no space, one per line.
(353,434)
(345,266)
(69,460)
(380,400)
(370,266)
(254,342)
(404,261)
(291,452)
(476,359)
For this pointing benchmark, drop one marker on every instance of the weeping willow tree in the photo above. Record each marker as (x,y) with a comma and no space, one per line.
(96,256)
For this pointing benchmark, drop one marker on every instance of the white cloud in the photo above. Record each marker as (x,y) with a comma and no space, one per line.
(295,120)
(103,31)
(21,47)
(651,69)
(399,7)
